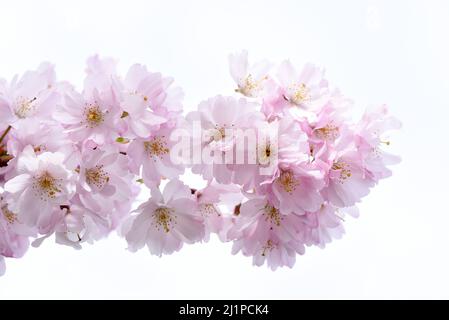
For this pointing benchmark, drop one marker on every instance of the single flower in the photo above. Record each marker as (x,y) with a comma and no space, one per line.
(42,183)
(166,221)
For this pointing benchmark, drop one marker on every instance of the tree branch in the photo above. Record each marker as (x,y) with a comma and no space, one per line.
(5,133)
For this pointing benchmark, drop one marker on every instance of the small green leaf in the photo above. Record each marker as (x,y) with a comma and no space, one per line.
(122,140)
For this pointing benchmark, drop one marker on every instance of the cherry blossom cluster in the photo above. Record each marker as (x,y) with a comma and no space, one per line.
(281,160)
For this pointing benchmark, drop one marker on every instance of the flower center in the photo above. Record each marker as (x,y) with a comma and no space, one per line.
(343,167)
(288,181)
(329,132)
(97,176)
(9,215)
(24,107)
(300,93)
(46,186)
(250,85)
(93,116)
(266,152)
(156,147)
(272,214)
(217,134)
(163,219)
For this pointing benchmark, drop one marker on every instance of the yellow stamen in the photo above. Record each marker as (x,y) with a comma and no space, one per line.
(93,116)
(288,181)
(156,147)
(46,186)
(328,132)
(250,85)
(164,219)
(300,94)
(218,133)
(272,214)
(24,107)
(343,167)
(97,176)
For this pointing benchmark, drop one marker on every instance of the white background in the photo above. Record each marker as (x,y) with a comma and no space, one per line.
(375,51)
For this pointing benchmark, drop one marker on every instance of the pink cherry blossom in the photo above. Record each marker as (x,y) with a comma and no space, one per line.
(347,182)
(283,164)
(153,155)
(210,203)
(31,95)
(326,224)
(266,234)
(305,88)
(90,118)
(42,136)
(150,98)
(252,80)
(43,182)
(372,134)
(101,75)
(103,171)
(295,188)
(280,142)
(221,120)
(104,184)
(330,123)
(166,221)
(80,224)
(145,93)
(13,235)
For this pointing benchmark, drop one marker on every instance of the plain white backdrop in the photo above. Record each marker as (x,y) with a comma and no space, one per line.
(395,52)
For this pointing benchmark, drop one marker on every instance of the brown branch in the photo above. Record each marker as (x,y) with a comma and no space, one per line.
(5,133)
(4,160)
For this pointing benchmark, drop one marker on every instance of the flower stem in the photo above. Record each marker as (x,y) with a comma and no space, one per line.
(5,133)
